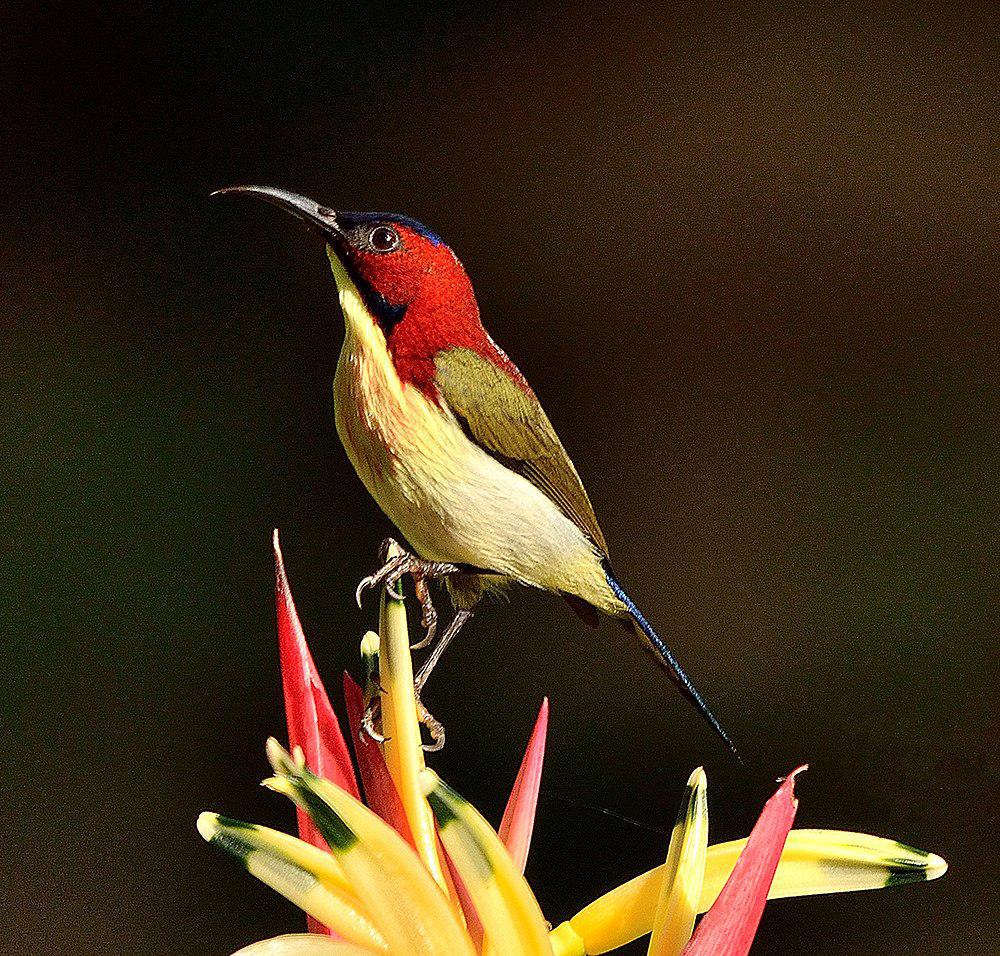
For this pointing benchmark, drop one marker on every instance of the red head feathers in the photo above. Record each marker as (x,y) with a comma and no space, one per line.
(417,290)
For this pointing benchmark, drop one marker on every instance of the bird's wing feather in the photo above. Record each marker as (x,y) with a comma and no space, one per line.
(506,420)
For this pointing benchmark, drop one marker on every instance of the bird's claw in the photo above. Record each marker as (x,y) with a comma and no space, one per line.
(386,576)
(428,614)
(368,722)
(373,581)
(363,586)
(434,727)
(426,640)
(393,568)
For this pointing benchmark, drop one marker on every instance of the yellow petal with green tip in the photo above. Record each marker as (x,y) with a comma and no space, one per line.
(322,864)
(303,944)
(409,909)
(304,875)
(684,874)
(403,749)
(828,861)
(813,862)
(512,921)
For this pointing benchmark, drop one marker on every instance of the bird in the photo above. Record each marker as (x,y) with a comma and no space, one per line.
(450,440)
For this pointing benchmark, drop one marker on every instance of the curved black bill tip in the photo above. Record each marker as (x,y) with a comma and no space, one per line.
(320,218)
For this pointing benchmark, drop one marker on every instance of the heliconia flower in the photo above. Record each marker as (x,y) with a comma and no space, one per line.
(415,870)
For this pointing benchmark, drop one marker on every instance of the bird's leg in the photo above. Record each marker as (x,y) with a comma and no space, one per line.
(397,562)
(435,655)
(434,726)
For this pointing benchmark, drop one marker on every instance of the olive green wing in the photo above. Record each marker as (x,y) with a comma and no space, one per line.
(507,421)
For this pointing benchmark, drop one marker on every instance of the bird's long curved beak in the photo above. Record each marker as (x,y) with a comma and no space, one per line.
(320,218)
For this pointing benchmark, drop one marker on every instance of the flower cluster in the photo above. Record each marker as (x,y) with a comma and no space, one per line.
(413,868)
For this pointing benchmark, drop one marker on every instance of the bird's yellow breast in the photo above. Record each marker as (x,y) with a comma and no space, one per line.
(408,451)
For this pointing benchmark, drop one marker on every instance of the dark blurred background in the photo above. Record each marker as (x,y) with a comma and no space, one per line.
(748,261)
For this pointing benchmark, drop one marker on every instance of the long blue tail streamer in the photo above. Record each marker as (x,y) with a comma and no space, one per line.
(668,660)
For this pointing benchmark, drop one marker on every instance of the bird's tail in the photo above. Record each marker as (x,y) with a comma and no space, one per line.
(668,661)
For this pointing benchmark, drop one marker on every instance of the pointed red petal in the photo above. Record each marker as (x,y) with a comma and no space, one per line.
(312,724)
(729,927)
(519,817)
(380,792)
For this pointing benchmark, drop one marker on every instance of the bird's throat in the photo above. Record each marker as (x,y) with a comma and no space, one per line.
(387,315)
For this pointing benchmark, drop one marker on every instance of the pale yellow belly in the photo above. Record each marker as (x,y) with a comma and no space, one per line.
(450,499)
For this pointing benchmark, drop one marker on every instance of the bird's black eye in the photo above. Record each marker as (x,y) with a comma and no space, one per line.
(383,239)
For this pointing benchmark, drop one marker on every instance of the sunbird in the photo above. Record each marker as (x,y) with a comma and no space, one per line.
(448,436)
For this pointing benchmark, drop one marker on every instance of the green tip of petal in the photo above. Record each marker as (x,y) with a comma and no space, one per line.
(443,801)
(215,828)
(233,836)
(695,797)
(294,780)
(914,866)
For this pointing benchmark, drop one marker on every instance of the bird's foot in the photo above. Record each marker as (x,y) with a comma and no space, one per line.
(371,715)
(371,721)
(428,614)
(397,562)
(434,726)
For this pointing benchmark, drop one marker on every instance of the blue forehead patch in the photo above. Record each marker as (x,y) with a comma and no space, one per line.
(351,219)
